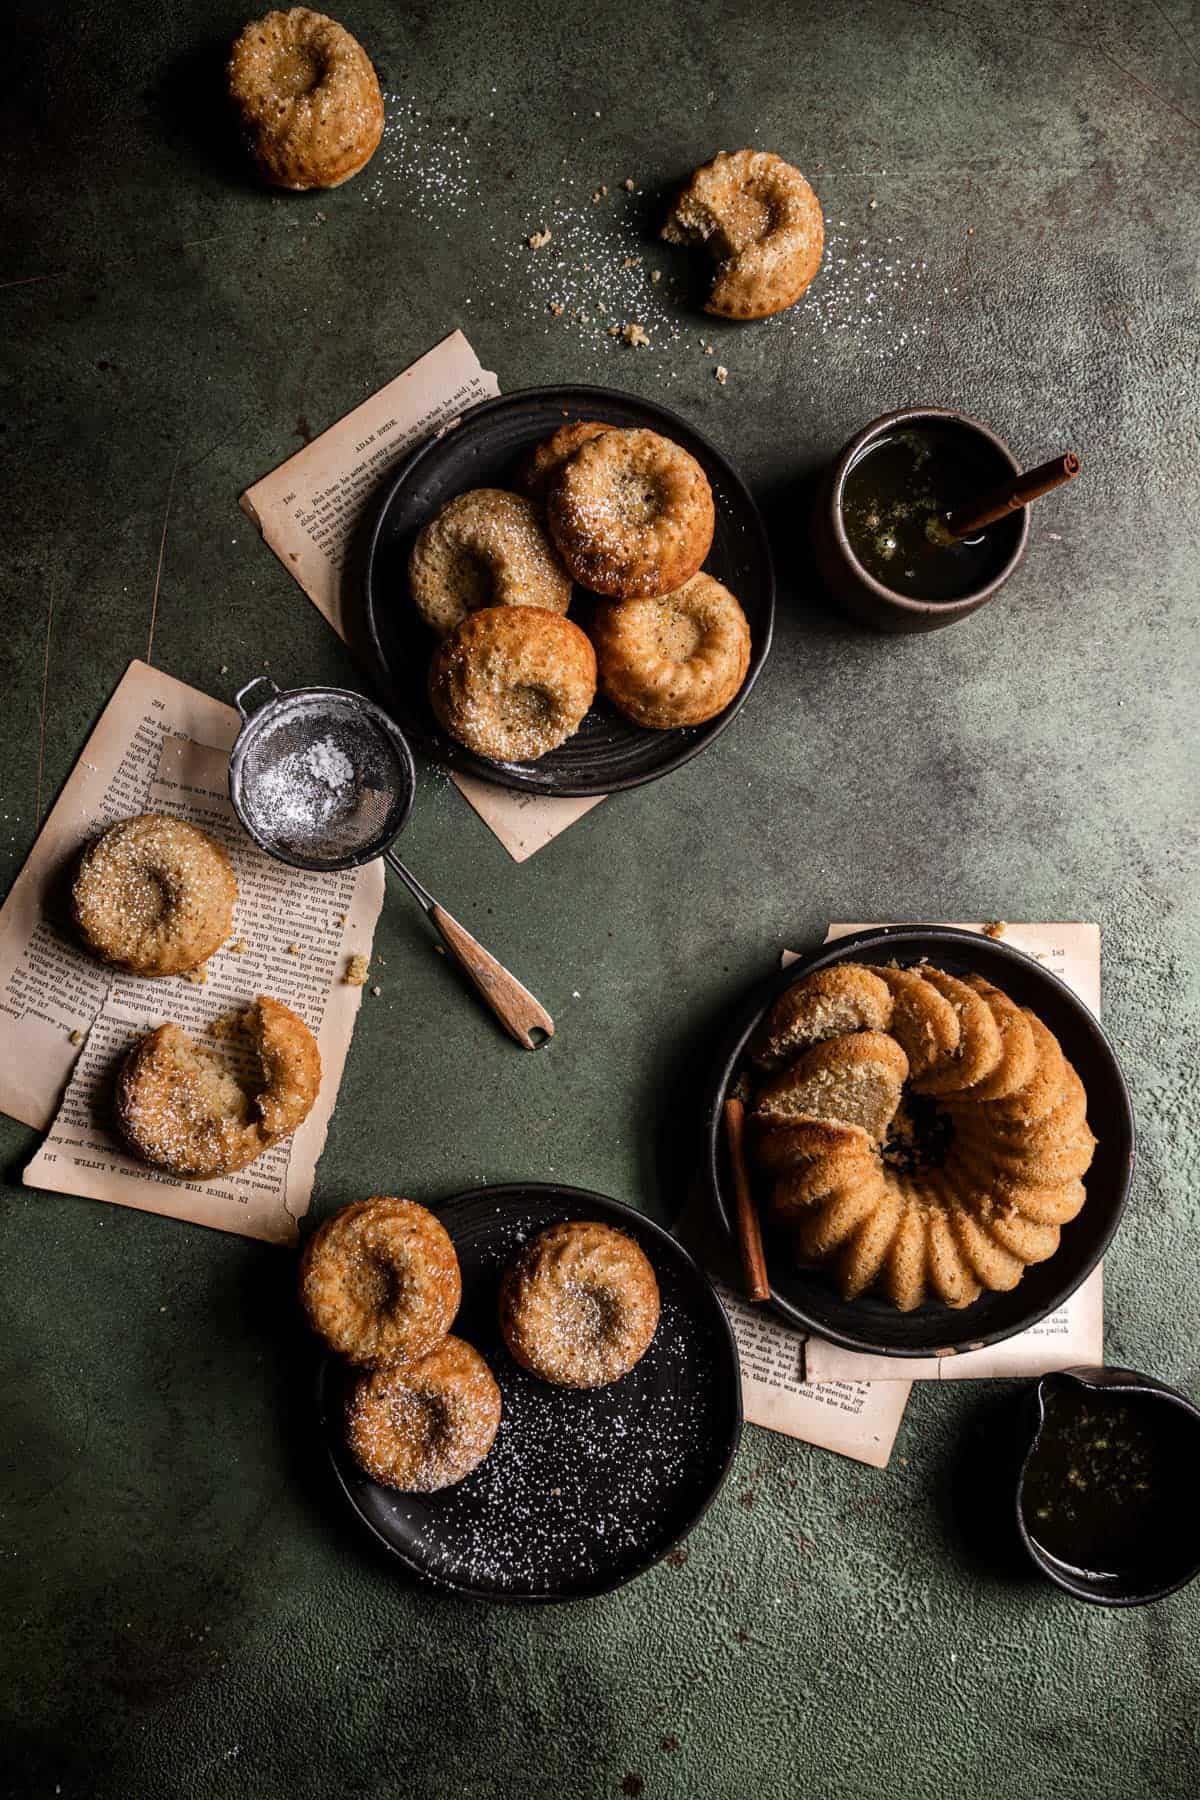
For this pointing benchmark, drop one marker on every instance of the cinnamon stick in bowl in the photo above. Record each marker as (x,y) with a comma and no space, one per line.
(749,1229)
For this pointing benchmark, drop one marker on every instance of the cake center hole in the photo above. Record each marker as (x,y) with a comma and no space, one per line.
(918,1137)
(295,72)
(677,637)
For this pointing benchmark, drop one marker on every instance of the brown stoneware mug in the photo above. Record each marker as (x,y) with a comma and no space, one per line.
(853,585)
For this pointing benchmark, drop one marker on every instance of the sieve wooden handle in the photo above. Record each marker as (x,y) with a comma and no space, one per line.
(515,1007)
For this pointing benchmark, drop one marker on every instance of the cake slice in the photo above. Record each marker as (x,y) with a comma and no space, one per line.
(828,1003)
(855,1080)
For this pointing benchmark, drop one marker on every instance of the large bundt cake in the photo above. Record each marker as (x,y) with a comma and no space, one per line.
(922,1133)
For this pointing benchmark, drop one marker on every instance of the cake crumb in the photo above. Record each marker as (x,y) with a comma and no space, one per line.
(340,919)
(995,929)
(538,240)
(630,262)
(614,331)
(356,970)
(75,1037)
(224,668)
(238,947)
(627,184)
(600,194)
(656,274)
(293,949)
(197,977)
(635,334)
(721,373)
(872,204)
(377,991)
(707,349)
(556,309)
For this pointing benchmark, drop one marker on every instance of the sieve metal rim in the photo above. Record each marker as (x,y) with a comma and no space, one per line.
(256,720)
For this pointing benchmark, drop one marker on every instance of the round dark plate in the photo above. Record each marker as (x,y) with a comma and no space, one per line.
(805,1297)
(607,752)
(583,1489)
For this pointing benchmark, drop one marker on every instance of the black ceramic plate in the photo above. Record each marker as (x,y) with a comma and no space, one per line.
(583,1489)
(806,1298)
(607,752)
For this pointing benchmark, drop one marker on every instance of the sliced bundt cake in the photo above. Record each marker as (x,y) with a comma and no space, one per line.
(920,1133)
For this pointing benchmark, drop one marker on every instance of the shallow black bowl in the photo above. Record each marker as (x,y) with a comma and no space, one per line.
(583,1489)
(805,1297)
(607,752)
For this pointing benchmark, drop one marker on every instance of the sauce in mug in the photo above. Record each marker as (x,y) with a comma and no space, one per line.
(896,496)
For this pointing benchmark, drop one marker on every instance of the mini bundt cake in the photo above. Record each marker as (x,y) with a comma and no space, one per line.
(919,1132)
(763,224)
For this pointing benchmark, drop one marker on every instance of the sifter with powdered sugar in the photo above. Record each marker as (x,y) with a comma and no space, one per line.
(323,779)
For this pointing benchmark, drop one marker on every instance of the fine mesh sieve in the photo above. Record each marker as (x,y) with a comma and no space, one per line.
(322,779)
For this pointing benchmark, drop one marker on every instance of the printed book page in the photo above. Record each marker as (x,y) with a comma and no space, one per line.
(163,747)
(309,509)
(1075,1332)
(855,1418)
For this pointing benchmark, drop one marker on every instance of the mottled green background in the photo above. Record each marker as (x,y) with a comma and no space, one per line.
(1013,221)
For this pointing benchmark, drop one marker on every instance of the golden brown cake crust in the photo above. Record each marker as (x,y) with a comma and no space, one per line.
(484,548)
(513,682)
(425,1425)
(674,661)
(183,1108)
(380,1281)
(761,220)
(632,515)
(308,98)
(154,895)
(538,469)
(580,1305)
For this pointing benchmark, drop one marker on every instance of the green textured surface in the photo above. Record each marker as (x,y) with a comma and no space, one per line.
(185,1609)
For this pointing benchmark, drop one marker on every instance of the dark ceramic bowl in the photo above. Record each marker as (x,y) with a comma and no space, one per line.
(1166,1563)
(585,1488)
(807,1298)
(852,585)
(607,752)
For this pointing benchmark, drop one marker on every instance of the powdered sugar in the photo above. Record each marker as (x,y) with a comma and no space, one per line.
(304,792)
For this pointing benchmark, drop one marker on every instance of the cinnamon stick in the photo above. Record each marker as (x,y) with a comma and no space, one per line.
(749,1231)
(1011,495)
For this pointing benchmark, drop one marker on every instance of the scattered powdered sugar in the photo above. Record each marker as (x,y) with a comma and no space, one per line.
(598,271)
(599,277)
(578,1482)
(421,165)
(869,290)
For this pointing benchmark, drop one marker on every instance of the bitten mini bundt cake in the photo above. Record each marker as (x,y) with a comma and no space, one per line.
(922,1134)
(182,1108)
(761,220)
